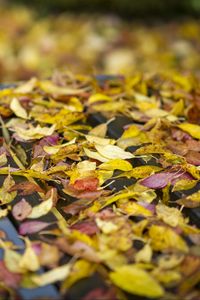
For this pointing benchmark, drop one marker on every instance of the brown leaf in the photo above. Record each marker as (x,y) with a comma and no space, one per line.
(26,188)
(193,157)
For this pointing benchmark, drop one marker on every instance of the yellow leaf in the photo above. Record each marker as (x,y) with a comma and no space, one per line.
(113,107)
(169,260)
(144,255)
(192,129)
(55,149)
(142,193)
(106,227)
(42,209)
(184,184)
(116,164)
(139,227)
(112,152)
(156,113)
(170,215)
(163,238)
(134,280)
(29,260)
(178,108)
(167,277)
(104,175)
(132,131)
(60,120)
(147,105)
(26,87)
(81,269)
(150,149)
(12,260)
(95,155)
(191,201)
(142,171)
(134,209)
(99,130)
(98,140)
(98,97)
(34,132)
(3,212)
(18,109)
(85,166)
(183,81)
(193,170)
(5,195)
(50,88)
(57,274)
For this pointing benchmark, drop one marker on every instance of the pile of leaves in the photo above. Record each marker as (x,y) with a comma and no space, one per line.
(34,45)
(138,238)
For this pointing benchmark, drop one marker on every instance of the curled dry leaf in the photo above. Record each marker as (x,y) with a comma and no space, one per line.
(26,188)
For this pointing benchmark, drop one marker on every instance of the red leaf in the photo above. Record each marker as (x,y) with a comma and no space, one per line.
(87,227)
(10,279)
(101,294)
(21,210)
(26,188)
(86,184)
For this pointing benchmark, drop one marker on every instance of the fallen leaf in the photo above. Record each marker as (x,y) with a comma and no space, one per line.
(170,215)
(42,209)
(21,210)
(116,164)
(86,184)
(113,152)
(18,109)
(136,281)
(29,260)
(57,274)
(163,238)
(30,227)
(192,129)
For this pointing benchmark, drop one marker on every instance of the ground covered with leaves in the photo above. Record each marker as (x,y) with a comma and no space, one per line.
(138,238)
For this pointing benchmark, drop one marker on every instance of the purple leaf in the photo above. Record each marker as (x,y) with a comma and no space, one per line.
(87,227)
(148,206)
(32,227)
(158,180)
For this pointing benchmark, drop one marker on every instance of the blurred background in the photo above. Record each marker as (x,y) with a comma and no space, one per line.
(98,36)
